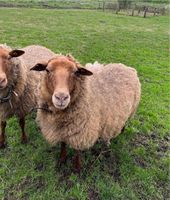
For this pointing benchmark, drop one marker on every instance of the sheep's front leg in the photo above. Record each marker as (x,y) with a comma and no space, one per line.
(2,134)
(23,134)
(77,162)
(63,154)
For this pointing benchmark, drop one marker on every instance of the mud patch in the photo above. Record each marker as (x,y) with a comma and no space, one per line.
(141,162)
(93,194)
(23,186)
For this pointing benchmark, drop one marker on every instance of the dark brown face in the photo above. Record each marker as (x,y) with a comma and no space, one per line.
(61,74)
(5,65)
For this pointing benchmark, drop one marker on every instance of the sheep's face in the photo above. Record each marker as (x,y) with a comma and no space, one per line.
(6,65)
(60,78)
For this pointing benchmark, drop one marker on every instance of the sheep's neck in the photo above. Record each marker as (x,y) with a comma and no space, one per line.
(7,97)
(45,107)
(16,85)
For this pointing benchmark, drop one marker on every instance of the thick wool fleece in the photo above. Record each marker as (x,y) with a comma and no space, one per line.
(102,104)
(25,82)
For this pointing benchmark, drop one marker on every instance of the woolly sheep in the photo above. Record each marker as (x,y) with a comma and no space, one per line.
(82,109)
(18,85)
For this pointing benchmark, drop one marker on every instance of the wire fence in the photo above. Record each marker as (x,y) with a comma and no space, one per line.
(134,8)
(128,7)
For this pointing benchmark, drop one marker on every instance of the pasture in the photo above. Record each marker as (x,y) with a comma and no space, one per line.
(136,164)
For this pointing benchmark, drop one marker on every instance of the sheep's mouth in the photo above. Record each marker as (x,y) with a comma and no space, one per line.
(60,106)
(60,103)
(3,87)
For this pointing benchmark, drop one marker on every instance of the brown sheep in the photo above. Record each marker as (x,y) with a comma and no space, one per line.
(81,109)
(18,85)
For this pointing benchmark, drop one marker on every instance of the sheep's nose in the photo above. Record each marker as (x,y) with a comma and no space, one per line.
(61,97)
(2,80)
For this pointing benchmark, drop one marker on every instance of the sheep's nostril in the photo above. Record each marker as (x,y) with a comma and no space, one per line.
(66,97)
(61,97)
(58,98)
(2,80)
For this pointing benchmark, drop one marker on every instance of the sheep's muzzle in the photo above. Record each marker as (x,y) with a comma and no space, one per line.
(61,99)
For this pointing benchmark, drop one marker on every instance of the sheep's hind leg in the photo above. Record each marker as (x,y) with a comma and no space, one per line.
(63,154)
(123,129)
(24,138)
(77,162)
(2,135)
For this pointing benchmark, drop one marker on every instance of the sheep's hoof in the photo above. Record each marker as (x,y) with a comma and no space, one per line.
(123,129)
(62,161)
(24,140)
(2,145)
(77,163)
(77,168)
(77,171)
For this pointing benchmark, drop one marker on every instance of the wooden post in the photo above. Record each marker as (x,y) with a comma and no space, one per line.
(154,11)
(118,9)
(145,10)
(139,11)
(103,6)
(99,5)
(133,10)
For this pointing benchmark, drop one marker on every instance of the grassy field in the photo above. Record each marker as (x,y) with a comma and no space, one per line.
(136,164)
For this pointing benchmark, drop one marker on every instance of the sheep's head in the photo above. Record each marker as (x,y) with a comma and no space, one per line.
(6,64)
(61,75)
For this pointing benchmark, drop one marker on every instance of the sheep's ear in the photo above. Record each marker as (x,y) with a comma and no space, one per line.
(16,53)
(83,71)
(39,67)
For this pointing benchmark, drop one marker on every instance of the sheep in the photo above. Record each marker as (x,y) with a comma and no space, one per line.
(17,85)
(96,67)
(81,108)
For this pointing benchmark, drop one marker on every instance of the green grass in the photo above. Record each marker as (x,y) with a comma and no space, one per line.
(136,164)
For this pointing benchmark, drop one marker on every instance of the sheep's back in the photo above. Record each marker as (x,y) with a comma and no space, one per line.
(117,88)
(35,54)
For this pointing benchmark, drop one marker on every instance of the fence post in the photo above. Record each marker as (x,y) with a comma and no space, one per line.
(133,10)
(139,11)
(103,6)
(99,5)
(118,9)
(154,11)
(145,10)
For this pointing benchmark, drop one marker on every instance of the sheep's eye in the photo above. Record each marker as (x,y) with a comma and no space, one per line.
(47,71)
(76,73)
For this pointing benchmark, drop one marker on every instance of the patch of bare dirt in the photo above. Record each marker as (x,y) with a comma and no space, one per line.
(11,192)
(93,194)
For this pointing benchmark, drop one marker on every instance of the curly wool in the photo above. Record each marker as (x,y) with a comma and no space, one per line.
(103,104)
